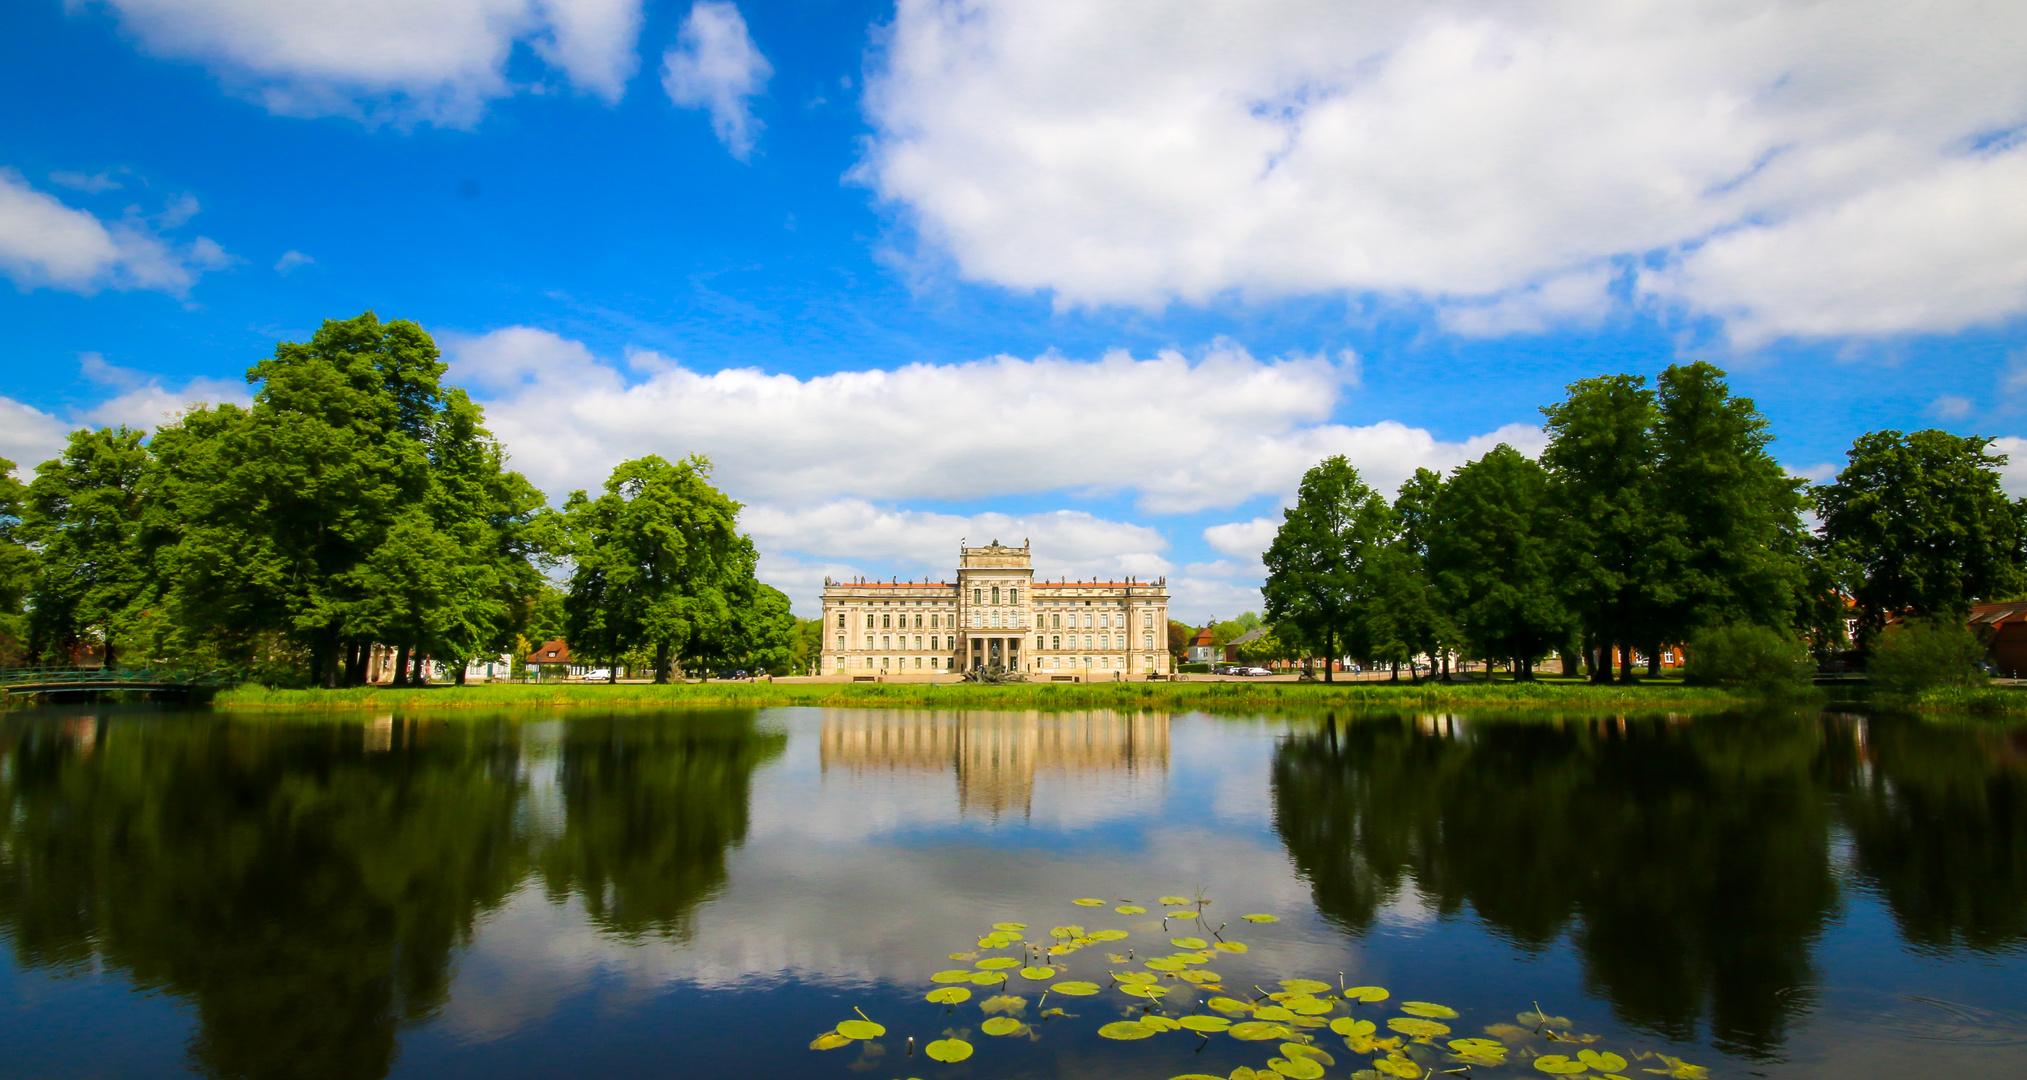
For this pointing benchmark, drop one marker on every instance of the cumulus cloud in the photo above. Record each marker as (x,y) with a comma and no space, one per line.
(30,436)
(291,260)
(47,244)
(404,60)
(2013,475)
(1179,434)
(714,65)
(1792,167)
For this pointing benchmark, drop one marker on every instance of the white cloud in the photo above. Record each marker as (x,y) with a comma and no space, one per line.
(1067,543)
(2013,475)
(29,436)
(1796,168)
(405,60)
(1243,539)
(89,183)
(46,244)
(1182,434)
(291,260)
(714,65)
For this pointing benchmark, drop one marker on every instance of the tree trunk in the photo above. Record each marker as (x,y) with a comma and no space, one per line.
(1446,665)
(1654,661)
(460,677)
(1523,669)
(112,660)
(1626,665)
(612,674)
(1569,664)
(400,665)
(1601,663)
(1397,672)
(662,663)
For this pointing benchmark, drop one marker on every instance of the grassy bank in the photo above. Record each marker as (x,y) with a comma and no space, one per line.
(1166,696)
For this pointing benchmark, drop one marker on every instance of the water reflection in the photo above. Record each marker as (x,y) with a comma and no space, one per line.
(994,756)
(1688,864)
(305,886)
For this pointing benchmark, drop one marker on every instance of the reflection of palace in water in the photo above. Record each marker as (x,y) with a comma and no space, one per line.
(996,754)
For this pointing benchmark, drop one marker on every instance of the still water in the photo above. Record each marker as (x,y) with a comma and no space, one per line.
(702,894)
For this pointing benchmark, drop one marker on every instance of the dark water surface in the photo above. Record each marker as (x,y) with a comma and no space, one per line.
(700,894)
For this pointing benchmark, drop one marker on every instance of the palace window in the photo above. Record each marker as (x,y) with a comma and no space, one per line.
(1058,643)
(1013,596)
(1104,641)
(932,622)
(841,643)
(995,620)
(1087,641)
(1038,645)
(887,621)
(977,620)
(918,620)
(918,641)
(977,596)
(869,643)
(883,643)
(1147,641)
(870,621)
(1105,621)
(841,620)
(995,594)
(1087,620)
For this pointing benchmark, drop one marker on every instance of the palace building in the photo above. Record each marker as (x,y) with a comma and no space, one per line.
(995,615)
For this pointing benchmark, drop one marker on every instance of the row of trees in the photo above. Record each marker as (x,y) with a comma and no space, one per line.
(1653,515)
(360,500)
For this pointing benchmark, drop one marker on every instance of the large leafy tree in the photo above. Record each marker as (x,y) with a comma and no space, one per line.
(1611,560)
(1732,515)
(1921,523)
(17,566)
(83,517)
(1492,553)
(659,563)
(1319,587)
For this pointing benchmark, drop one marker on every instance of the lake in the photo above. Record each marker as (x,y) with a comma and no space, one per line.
(549,893)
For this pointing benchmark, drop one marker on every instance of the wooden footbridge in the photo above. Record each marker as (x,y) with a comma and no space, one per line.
(53,680)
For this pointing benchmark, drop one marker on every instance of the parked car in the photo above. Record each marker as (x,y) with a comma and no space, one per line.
(1258,671)
(598,675)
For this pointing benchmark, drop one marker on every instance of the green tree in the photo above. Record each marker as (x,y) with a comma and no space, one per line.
(1319,586)
(17,567)
(1600,460)
(656,559)
(83,517)
(1492,554)
(1417,619)
(1922,525)
(1729,514)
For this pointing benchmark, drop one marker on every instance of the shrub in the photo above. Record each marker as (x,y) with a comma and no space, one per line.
(1924,654)
(1193,669)
(1747,657)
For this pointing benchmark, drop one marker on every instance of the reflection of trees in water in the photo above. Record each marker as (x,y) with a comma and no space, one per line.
(305,886)
(1688,862)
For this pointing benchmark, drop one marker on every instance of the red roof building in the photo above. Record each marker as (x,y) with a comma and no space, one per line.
(2003,628)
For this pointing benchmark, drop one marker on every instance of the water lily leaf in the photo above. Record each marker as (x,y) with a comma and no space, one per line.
(1398,1067)
(1230,946)
(1173,900)
(1295,1050)
(829,1040)
(1205,1023)
(1296,1069)
(1367,993)
(1417,1028)
(1345,1025)
(1559,1065)
(1001,1025)
(1143,990)
(1310,1007)
(1272,1012)
(1428,1009)
(1009,926)
(861,1029)
(1677,1068)
(1304,986)
(997,963)
(1089,901)
(1199,976)
(1166,964)
(1006,1003)
(1037,974)
(948,1050)
(1261,918)
(1230,1005)
(1259,1031)
(988,978)
(1136,976)
(1202,956)
(1478,1046)
(1191,943)
(1066,931)
(1108,935)
(1605,1062)
(1159,1022)
(948,995)
(953,976)
(1535,1019)
(1125,1030)
(1075,989)
(1130,909)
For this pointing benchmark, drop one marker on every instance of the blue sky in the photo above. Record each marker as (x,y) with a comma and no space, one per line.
(1106,274)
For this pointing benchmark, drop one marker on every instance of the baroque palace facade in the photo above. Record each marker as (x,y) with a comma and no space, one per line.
(995,614)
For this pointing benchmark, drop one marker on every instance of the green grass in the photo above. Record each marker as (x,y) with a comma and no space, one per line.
(1201,695)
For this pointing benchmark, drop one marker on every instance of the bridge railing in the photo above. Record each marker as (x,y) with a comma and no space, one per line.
(115,677)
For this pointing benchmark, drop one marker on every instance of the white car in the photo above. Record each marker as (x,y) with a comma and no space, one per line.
(1256,671)
(598,675)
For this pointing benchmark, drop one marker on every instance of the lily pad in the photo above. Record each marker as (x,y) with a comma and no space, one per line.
(1230,1005)
(1037,974)
(1009,926)
(1428,1009)
(1398,1066)
(1199,976)
(948,1050)
(953,976)
(1108,935)
(948,995)
(861,1029)
(1478,1046)
(1230,946)
(1126,1030)
(1559,1065)
(1415,1027)
(1075,989)
(1259,1031)
(1345,1025)
(1205,1023)
(1136,976)
(1304,986)
(1179,914)
(1191,943)
(1301,1068)
(1006,1003)
(1066,931)
(1166,964)
(1603,1062)
(1173,900)
(1089,901)
(1295,1050)
(997,963)
(1367,993)
(1159,1022)
(1143,990)
(1130,909)
(1310,1007)
(1261,918)
(829,1040)
(1001,1025)
(1273,1012)
(988,978)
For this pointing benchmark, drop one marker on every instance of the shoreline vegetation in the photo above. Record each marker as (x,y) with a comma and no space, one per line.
(1204,695)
